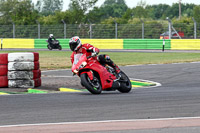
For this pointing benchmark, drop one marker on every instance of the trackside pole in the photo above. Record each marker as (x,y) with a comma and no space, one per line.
(1,44)
(163,48)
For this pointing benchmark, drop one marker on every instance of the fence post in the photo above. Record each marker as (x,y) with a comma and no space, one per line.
(170,27)
(1,43)
(90,29)
(13,29)
(195,28)
(142,28)
(64,29)
(38,29)
(115,29)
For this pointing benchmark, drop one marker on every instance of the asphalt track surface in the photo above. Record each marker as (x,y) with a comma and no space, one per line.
(173,107)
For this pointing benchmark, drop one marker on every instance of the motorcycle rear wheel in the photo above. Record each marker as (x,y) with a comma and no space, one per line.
(125,85)
(93,86)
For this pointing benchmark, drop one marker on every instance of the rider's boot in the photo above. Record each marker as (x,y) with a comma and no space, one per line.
(116,68)
(118,71)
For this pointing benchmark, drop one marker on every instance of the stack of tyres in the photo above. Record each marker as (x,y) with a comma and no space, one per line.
(3,70)
(24,70)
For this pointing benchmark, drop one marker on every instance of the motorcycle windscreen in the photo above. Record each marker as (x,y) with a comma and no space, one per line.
(78,60)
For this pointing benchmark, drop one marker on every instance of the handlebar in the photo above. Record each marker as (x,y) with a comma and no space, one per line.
(89,57)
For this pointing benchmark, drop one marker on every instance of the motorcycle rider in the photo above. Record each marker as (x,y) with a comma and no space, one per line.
(77,47)
(50,39)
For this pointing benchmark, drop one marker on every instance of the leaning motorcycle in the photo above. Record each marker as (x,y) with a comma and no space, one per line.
(97,78)
(55,45)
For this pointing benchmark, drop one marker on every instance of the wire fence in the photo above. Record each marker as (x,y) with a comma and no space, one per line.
(102,31)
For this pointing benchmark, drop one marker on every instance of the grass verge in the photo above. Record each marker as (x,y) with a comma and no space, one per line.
(61,59)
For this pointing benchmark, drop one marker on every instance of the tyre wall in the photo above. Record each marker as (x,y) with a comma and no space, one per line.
(3,70)
(20,70)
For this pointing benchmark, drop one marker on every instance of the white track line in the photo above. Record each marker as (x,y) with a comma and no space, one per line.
(104,121)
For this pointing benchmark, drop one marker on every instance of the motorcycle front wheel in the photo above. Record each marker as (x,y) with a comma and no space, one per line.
(49,47)
(93,86)
(60,47)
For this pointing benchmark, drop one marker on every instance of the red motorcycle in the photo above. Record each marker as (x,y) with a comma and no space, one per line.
(97,78)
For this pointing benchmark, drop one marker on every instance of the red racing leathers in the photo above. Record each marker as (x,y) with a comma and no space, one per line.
(87,49)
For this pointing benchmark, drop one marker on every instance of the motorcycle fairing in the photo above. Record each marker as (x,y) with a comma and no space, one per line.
(107,79)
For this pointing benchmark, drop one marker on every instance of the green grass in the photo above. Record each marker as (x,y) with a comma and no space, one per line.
(61,59)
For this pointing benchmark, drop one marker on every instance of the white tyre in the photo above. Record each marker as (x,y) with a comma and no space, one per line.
(23,66)
(3,70)
(23,56)
(24,74)
(3,81)
(21,83)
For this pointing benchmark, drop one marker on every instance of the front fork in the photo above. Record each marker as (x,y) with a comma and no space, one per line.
(90,74)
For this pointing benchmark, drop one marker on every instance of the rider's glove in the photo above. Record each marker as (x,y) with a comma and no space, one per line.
(94,54)
(94,51)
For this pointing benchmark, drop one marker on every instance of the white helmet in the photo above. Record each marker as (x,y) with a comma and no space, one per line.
(51,35)
(75,43)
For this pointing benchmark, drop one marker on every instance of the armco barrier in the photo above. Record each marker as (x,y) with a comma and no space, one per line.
(185,44)
(42,44)
(145,44)
(105,43)
(18,43)
(173,44)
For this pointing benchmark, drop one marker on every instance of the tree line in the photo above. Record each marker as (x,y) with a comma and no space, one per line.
(25,12)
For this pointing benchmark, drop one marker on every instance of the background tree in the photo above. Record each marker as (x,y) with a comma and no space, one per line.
(196,13)
(18,11)
(48,7)
(79,8)
(139,11)
(157,11)
(113,8)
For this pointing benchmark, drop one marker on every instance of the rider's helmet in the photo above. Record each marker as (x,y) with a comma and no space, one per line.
(51,35)
(75,43)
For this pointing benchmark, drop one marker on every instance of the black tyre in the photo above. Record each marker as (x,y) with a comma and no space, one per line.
(125,83)
(60,47)
(93,86)
(49,47)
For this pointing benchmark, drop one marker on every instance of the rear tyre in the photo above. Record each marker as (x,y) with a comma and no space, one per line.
(125,84)
(93,86)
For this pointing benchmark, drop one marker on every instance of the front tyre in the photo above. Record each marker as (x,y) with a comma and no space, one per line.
(60,47)
(93,86)
(125,83)
(49,47)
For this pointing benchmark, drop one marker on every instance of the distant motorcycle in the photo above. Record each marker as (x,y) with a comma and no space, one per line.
(54,45)
(97,78)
